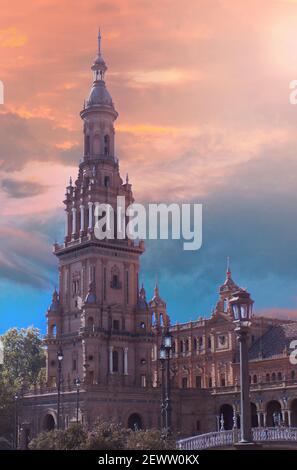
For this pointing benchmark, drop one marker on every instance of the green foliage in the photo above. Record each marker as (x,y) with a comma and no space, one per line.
(71,439)
(151,439)
(24,358)
(106,435)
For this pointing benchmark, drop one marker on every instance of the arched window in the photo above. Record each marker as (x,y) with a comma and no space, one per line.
(106,145)
(187,345)
(53,330)
(200,342)
(225,305)
(195,344)
(267,377)
(279,376)
(255,379)
(87,145)
(292,374)
(115,361)
(96,145)
(90,322)
(273,377)
(181,346)
(209,342)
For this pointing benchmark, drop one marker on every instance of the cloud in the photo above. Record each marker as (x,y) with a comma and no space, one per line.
(11,37)
(21,189)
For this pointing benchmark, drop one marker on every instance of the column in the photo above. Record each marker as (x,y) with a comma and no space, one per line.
(90,204)
(259,419)
(82,218)
(110,359)
(125,361)
(67,224)
(264,419)
(73,221)
(289,418)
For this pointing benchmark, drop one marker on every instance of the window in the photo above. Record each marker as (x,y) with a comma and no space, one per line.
(255,379)
(210,382)
(292,374)
(273,376)
(195,344)
(106,145)
(181,346)
(87,145)
(115,282)
(115,361)
(73,364)
(185,382)
(91,377)
(187,345)
(209,342)
(198,381)
(115,325)
(200,342)
(225,305)
(143,380)
(267,377)
(106,181)
(279,376)
(198,425)
(223,381)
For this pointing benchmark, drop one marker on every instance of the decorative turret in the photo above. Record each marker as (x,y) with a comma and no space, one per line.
(158,310)
(142,303)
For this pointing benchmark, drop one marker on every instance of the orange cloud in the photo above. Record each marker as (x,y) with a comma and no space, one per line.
(11,37)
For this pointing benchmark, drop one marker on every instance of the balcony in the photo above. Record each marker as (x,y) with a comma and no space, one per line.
(223,439)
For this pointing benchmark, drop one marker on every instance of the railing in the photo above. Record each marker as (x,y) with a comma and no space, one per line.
(228,438)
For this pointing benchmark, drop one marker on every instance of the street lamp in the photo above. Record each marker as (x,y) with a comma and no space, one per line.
(77,384)
(168,347)
(16,422)
(162,357)
(242,304)
(60,357)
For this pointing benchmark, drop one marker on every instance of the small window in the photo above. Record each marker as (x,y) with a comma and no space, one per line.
(198,381)
(209,342)
(143,380)
(210,382)
(106,145)
(273,377)
(106,181)
(115,282)
(181,346)
(292,374)
(279,376)
(90,357)
(185,382)
(195,344)
(87,145)
(115,325)
(74,364)
(223,381)
(197,425)
(115,361)
(187,345)
(267,377)
(255,379)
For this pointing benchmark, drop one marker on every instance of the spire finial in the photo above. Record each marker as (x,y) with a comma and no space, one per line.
(228,267)
(127,178)
(99,42)
(70,181)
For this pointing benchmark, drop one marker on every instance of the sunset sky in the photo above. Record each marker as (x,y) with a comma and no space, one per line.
(202,91)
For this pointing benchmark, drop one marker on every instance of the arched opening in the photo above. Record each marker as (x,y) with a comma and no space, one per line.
(255,379)
(115,361)
(135,422)
(90,322)
(53,331)
(227,412)
(254,416)
(106,145)
(49,422)
(96,145)
(294,413)
(273,413)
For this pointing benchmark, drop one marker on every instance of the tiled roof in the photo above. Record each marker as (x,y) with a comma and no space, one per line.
(274,341)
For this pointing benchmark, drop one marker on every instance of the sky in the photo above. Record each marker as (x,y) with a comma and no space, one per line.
(202,91)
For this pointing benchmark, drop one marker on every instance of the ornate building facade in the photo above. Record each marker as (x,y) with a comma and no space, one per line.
(110,335)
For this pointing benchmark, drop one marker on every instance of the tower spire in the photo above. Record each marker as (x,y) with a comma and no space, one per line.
(228,271)
(99,42)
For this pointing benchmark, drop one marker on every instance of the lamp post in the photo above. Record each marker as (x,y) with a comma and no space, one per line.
(77,384)
(166,389)
(60,357)
(241,304)
(162,355)
(16,421)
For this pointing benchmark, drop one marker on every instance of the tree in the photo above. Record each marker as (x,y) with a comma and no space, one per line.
(150,439)
(24,359)
(72,438)
(107,435)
